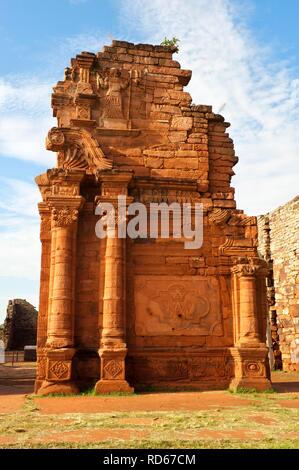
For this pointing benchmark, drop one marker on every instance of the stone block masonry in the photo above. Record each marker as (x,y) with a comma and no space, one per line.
(279,245)
(20,325)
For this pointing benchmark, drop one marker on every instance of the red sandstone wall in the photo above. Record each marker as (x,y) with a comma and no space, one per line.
(281,249)
(181,316)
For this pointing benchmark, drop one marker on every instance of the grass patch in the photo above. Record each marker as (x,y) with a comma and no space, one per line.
(261,421)
(251,391)
(165,444)
(87,393)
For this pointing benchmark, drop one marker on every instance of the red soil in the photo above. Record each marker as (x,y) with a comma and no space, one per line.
(185,401)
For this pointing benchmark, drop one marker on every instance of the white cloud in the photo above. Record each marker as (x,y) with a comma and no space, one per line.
(19,229)
(19,197)
(19,242)
(25,119)
(25,102)
(261,96)
(20,251)
(73,45)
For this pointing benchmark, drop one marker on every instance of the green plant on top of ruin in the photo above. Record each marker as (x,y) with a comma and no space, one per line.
(174,43)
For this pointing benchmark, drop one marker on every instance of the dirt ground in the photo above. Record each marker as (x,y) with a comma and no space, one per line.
(149,420)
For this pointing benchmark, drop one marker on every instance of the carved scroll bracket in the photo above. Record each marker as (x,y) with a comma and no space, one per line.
(77,148)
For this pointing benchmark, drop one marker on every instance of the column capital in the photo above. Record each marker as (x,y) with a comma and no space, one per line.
(114,183)
(64,210)
(70,175)
(43,209)
(64,216)
(246,267)
(85,59)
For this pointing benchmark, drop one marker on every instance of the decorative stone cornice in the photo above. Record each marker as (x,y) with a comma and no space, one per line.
(237,246)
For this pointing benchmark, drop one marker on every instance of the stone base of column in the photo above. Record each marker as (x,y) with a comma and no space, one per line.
(260,385)
(110,386)
(251,366)
(37,385)
(58,373)
(65,388)
(113,372)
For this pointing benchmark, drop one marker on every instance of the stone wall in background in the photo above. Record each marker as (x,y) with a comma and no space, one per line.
(279,245)
(20,325)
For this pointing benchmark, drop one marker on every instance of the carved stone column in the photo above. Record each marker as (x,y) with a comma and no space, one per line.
(65,205)
(247,328)
(250,353)
(113,348)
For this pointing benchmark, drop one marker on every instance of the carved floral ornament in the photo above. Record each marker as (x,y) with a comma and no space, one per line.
(113,368)
(59,369)
(253,368)
(55,137)
(64,216)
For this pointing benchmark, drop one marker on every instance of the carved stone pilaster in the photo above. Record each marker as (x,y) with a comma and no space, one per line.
(63,252)
(84,97)
(250,352)
(59,347)
(113,349)
(245,306)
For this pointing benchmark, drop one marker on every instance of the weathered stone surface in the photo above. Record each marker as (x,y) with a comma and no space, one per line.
(279,245)
(181,123)
(121,313)
(20,325)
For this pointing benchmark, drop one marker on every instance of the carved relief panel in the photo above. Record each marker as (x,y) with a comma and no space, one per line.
(177,306)
(122,96)
(201,368)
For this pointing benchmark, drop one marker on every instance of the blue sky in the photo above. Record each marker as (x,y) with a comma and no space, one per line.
(245,61)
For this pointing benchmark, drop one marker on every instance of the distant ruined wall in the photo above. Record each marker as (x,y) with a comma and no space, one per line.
(279,245)
(20,325)
(1,332)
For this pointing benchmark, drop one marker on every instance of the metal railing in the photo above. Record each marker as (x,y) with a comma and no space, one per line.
(14,356)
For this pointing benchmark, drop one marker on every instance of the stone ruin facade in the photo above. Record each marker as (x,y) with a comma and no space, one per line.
(20,325)
(279,245)
(124,314)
